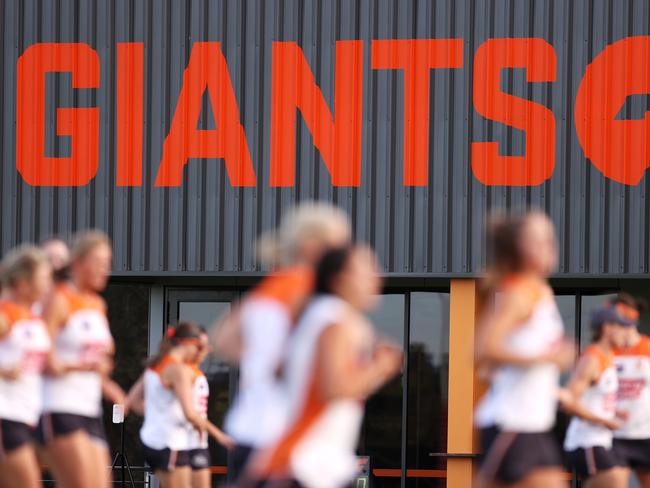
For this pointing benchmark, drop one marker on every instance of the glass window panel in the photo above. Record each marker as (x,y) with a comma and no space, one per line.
(428,387)
(217,372)
(588,304)
(566,304)
(381,434)
(128,315)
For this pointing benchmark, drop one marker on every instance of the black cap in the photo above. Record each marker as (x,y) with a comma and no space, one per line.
(608,314)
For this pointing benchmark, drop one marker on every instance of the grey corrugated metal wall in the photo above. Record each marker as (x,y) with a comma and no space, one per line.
(206,225)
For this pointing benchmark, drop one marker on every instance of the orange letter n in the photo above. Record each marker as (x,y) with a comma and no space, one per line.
(337,138)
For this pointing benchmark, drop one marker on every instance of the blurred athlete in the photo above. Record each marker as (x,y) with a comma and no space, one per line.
(334,363)
(24,346)
(521,343)
(58,255)
(198,444)
(591,398)
(165,394)
(256,332)
(632,440)
(71,426)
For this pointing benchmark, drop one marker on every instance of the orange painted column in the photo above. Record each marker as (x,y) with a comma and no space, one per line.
(463,388)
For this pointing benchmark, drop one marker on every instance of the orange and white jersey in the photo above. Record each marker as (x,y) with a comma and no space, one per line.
(24,347)
(600,399)
(165,425)
(200,395)
(318,447)
(85,338)
(633,397)
(267,315)
(524,399)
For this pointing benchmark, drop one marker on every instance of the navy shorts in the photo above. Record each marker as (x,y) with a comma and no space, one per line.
(200,459)
(508,457)
(591,460)
(633,453)
(53,425)
(166,459)
(14,435)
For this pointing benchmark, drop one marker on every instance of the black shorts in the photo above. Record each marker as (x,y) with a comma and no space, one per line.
(200,459)
(237,461)
(14,435)
(633,453)
(591,460)
(166,459)
(508,457)
(53,425)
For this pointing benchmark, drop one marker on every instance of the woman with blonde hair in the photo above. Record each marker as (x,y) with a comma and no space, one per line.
(255,333)
(71,427)
(24,346)
(521,344)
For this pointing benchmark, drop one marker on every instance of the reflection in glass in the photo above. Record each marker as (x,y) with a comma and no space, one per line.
(381,434)
(128,315)
(588,304)
(217,372)
(566,304)
(428,373)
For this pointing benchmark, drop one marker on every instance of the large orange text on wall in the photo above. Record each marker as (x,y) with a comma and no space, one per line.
(618,148)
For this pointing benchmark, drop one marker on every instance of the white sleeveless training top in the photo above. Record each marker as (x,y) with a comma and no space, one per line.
(200,395)
(165,425)
(25,346)
(524,399)
(318,449)
(85,338)
(633,396)
(599,398)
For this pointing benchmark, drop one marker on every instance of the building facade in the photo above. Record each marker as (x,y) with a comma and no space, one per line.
(186,128)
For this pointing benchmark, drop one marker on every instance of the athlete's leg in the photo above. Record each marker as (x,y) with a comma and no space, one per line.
(101,462)
(19,469)
(201,478)
(176,478)
(611,478)
(544,478)
(71,461)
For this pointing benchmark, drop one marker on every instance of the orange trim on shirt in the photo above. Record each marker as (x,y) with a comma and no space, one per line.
(290,286)
(641,348)
(163,363)
(81,301)
(14,312)
(277,463)
(605,361)
(530,288)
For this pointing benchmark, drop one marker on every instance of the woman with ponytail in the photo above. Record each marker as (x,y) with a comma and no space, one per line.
(521,343)
(165,395)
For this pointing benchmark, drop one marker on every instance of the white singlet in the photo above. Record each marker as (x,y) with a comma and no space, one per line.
(256,417)
(633,396)
(165,425)
(318,449)
(524,399)
(600,399)
(200,395)
(84,339)
(25,346)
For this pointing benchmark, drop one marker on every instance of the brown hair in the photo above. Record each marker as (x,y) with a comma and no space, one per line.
(185,330)
(21,263)
(85,241)
(504,256)
(637,303)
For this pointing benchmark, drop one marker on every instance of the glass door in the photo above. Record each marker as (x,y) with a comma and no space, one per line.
(205,307)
